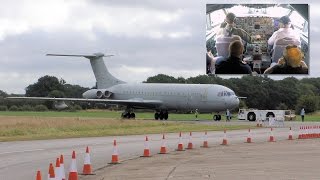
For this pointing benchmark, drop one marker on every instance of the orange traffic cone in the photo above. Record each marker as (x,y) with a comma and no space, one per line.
(51,174)
(73,173)
(115,155)
(225,141)
(87,169)
(290,135)
(146,151)
(249,137)
(205,140)
(271,138)
(163,149)
(38,177)
(58,170)
(300,133)
(180,144)
(190,145)
(63,174)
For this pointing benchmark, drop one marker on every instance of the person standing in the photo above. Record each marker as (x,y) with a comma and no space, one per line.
(196,114)
(228,115)
(302,113)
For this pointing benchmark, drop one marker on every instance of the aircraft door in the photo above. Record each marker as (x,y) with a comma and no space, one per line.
(204,95)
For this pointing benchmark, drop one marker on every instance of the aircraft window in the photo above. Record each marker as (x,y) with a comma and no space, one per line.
(217,17)
(277,11)
(297,20)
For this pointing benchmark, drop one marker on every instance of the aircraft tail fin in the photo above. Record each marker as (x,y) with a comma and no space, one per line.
(103,76)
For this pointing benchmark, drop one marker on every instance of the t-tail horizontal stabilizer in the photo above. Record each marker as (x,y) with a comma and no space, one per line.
(89,56)
(103,77)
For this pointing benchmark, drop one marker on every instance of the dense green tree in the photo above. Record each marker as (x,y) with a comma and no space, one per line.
(74,91)
(44,86)
(308,102)
(162,78)
(3,94)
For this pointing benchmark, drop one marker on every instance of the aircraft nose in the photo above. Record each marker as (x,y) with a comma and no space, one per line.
(234,103)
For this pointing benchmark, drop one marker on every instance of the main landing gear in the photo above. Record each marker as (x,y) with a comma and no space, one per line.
(217,117)
(128,114)
(162,115)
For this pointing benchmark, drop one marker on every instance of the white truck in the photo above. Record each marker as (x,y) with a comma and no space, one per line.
(255,114)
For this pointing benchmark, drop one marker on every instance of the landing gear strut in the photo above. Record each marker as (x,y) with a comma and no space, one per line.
(128,114)
(162,115)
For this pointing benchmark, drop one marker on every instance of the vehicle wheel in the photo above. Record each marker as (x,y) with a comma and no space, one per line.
(219,117)
(156,116)
(270,114)
(166,115)
(251,116)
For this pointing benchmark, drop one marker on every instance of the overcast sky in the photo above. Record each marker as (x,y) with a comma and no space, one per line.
(147,37)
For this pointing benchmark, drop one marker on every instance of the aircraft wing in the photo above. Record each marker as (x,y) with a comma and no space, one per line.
(139,103)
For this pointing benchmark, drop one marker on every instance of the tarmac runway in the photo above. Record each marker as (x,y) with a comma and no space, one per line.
(21,159)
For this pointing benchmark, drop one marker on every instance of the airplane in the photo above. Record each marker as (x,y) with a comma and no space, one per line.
(161,97)
(260,21)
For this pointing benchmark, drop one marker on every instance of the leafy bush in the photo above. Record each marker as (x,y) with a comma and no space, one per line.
(40,108)
(26,108)
(3,108)
(77,107)
(14,108)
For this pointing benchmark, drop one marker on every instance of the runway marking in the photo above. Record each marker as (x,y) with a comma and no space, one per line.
(11,152)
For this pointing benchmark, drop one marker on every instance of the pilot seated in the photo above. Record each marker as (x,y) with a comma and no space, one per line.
(234,63)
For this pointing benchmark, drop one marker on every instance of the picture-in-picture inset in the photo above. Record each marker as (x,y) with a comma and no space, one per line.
(257,39)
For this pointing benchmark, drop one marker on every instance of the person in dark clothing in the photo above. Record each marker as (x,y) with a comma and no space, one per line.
(234,63)
(228,27)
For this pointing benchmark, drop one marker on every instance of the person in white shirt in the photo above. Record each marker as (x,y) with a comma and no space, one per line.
(285,31)
(302,113)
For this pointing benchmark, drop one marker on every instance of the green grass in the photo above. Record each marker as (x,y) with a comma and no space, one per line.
(51,125)
(101,114)
(31,128)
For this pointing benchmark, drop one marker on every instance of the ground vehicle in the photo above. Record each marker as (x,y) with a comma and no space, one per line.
(255,114)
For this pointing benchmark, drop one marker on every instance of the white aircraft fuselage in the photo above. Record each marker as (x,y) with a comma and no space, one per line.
(204,97)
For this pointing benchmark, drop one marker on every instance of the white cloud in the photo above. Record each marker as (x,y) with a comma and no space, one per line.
(148,38)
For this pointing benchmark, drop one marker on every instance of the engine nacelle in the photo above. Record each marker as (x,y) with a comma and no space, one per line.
(107,94)
(97,94)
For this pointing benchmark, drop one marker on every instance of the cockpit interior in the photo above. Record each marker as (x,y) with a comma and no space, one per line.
(260,21)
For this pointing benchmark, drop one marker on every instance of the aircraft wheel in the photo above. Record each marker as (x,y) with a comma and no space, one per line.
(166,115)
(156,116)
(251,116)
(132,115)
(215,117)
(161,115)
(123,115)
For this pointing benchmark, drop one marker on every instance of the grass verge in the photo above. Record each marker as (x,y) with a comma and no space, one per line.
(33,128)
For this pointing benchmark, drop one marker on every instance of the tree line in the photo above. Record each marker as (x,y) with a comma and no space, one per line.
(262,92)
